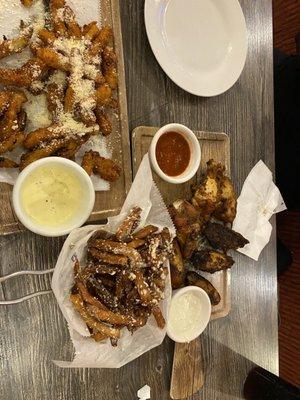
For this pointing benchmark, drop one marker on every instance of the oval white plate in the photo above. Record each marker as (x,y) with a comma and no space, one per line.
(200,44)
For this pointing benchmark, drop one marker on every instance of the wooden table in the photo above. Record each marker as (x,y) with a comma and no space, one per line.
(33,333)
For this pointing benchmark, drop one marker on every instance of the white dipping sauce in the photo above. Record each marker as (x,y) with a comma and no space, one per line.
(188,316)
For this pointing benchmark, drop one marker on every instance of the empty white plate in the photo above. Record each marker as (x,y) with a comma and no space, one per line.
(200,44)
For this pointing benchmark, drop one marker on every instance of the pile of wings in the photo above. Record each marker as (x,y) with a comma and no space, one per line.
(203,228)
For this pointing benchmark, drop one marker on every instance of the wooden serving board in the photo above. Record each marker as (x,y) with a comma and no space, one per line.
(213,145)
(107,202)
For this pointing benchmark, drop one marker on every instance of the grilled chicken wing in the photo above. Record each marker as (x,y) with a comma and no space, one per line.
(177,267)
(221,237)
(211,260)
(194,279)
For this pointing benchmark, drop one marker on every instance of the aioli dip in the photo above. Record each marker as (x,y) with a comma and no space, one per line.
(189,314)
(52,195)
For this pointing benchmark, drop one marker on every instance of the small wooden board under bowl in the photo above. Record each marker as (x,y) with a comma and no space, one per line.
(107,202)
(213,145)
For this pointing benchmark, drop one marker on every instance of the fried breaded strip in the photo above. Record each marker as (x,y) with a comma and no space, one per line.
(119,249)
(159,318)
(142,287)
(91,321)
(91,30)
(33,70)
(9,123)
(98,337)
(103,121)
(135,243)
(15,45)
(103,95)
(10,142)
(109,70)
(87,297)
(7,163)
(74,29)
(4,101)
(97,287)
(48,37)
(69,101)
(27,3)
(101,41)
(108,258)
(87,162)
(146,231)
(55,98)
(53,59)
(42,152)
(35,138)
(106,168)
(115,318)
(129,224)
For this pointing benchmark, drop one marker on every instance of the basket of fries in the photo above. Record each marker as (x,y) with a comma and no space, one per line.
(112,281)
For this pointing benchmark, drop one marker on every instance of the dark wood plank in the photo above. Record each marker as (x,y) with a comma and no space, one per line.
(34,333)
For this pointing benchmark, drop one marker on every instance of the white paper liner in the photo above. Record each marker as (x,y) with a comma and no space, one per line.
(11,12)
(259,200)
(88,353)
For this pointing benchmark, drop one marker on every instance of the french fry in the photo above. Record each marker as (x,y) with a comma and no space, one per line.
(91,321)
(103,121)
(27,3)
(7,163)
(91,30)
(53,59)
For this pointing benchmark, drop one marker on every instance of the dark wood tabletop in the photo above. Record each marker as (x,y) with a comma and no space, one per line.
(35,332)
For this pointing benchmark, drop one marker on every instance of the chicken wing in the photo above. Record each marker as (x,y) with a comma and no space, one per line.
(194,279)
(211,261)
(226,209)
(177,267)
(221,237)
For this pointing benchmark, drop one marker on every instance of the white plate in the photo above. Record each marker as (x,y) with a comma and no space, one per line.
(200,44)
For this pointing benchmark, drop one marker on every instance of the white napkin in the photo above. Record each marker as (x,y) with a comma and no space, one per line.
(259,200)
(144,393)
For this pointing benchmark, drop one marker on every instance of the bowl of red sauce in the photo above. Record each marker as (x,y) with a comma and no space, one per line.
(175,153)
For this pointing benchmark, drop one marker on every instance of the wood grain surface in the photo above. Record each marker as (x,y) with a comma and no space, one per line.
(107,203)
(214,145)
(34,333)
(187,371)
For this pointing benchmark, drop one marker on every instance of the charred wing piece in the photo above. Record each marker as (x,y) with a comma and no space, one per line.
(187,219)
(221,237)
(211,261)
(226,210)
(207,194)
(177,267)
(194,279)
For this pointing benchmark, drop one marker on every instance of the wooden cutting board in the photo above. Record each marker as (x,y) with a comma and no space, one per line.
(187,373)
(107,202)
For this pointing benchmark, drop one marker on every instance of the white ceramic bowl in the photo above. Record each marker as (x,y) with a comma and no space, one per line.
(194,148)
(78,220)
(202,320)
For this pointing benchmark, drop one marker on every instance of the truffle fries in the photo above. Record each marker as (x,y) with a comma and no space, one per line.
(11,121)
(122,284)
(77,70)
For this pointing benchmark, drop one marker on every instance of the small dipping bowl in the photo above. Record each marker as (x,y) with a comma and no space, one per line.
(53,196)
(189,314)
(195,153)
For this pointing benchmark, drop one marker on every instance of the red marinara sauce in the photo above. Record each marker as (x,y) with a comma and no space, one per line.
(173,153)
